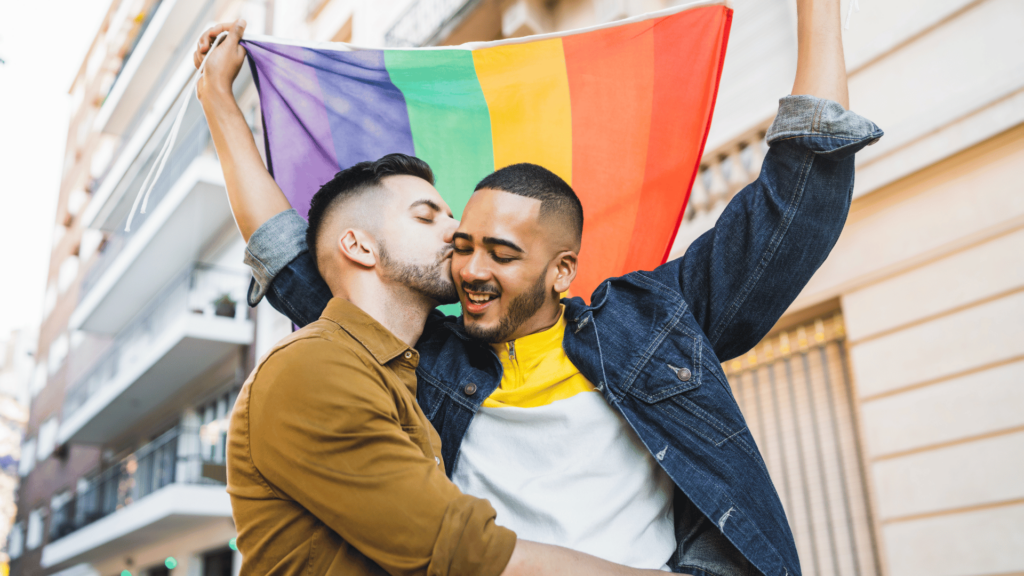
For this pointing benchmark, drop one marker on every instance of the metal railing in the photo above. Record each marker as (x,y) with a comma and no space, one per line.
(200,289)
(723,172)
(425,22)
(189,147)
(166,460)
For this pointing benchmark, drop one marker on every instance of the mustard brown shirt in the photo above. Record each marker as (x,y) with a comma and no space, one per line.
(334,469)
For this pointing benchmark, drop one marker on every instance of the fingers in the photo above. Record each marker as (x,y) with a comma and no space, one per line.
(206,40)
(235,34)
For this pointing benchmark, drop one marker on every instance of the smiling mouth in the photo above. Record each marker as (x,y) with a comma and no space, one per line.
(480,298)
(477,302)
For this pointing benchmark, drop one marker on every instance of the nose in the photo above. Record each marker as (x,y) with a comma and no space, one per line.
(475,269)
(449,230)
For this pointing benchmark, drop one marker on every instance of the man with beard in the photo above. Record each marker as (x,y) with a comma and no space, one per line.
(608,427)
(333,468)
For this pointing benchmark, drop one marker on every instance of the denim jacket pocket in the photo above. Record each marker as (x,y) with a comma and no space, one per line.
(672,369)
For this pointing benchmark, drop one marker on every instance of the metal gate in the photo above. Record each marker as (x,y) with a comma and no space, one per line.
(794,391)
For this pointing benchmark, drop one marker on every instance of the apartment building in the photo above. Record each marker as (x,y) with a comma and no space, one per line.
(886,402)
(146,336)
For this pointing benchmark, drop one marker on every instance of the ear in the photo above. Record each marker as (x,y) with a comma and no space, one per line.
(358,247)
(565,270)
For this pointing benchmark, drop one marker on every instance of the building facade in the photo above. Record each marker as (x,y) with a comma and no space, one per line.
(146,337)
(886,402)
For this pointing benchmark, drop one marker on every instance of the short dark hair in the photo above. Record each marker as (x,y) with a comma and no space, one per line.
(532,181)
(356,181)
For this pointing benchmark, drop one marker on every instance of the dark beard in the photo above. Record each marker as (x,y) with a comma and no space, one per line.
(522,308)
(431,280)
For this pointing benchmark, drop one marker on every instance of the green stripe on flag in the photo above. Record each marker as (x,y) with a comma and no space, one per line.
(451,126)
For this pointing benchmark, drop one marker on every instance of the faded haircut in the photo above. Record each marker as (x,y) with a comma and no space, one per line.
(360,183)
(558,201)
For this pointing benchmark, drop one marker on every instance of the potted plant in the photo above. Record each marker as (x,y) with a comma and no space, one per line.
(224,306)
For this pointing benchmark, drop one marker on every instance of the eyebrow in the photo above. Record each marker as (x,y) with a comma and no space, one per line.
(490,240)
(430,204)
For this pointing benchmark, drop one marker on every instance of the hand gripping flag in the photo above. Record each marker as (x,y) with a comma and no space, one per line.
(620,111)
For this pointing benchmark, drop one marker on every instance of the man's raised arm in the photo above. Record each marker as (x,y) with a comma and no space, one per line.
(742,275)
(252,192)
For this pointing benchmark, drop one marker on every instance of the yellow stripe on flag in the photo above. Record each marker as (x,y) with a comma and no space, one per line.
(527,91)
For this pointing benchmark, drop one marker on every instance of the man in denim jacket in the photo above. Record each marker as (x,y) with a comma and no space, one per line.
(650,342)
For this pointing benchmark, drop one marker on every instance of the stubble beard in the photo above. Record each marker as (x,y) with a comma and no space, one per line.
(431,280)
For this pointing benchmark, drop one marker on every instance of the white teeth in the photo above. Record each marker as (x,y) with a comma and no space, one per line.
(479,298)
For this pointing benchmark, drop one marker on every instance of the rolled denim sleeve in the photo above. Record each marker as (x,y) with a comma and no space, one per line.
(740,277)
(276,243)
(821,126)
(284,271)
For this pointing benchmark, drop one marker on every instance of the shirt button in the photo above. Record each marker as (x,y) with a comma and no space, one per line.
(408,354)
(683,374)
(437,460)
(470,389)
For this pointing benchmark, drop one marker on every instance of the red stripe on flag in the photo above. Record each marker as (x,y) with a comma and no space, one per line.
(688,59)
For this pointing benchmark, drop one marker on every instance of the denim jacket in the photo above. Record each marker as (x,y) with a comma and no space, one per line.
(652,342)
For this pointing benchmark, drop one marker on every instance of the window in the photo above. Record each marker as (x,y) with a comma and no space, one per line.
(47,438)
(218,563)
(50,300)
(794,391)
(67,273)
(28,457)
(215,417)
(91,241)
(34,537)
(77,199)
(16,541)
(38,379)
(58,353)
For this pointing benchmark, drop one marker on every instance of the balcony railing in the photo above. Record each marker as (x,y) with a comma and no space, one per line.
(201,289)
(167,460)
(190,147)
(424,22)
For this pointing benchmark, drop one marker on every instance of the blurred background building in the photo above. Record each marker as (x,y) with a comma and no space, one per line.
(887,402)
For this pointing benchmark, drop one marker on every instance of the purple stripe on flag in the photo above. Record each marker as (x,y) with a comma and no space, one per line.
(300,145)
(367,112)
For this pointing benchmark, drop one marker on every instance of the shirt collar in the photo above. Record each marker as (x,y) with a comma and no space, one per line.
(538,342)
(378,340)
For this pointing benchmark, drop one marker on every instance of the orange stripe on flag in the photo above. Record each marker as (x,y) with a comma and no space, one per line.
(611,77)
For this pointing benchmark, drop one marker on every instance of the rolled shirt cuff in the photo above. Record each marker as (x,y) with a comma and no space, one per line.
(276,243)
(470,543)
(822,126)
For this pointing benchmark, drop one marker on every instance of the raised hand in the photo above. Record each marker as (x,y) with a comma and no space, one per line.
(223,63)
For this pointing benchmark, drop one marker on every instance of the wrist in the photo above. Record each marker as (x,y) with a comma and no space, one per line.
(218,94)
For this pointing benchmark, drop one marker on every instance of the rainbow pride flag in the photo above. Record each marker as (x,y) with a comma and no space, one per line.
(620,111)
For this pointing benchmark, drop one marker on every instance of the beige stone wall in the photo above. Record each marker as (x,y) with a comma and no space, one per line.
(936,329)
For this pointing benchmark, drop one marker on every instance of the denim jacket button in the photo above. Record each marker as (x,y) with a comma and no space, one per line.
(470,389)
(683,374)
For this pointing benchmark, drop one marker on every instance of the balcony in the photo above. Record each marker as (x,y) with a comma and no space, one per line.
(192,327)
(166,34)
(155,493)
(428,22)
(187,209)
(723,173)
